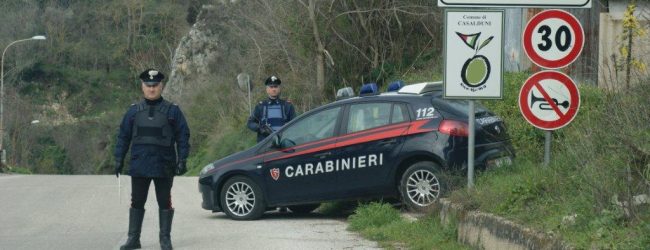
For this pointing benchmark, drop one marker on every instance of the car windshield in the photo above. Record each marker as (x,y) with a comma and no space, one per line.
(312,128)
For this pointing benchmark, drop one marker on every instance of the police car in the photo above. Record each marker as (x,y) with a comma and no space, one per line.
(397,144)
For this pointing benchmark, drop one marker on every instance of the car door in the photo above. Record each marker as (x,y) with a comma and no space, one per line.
(300,169)
(370,146)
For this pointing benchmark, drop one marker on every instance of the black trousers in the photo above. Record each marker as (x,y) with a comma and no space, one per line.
(140,190)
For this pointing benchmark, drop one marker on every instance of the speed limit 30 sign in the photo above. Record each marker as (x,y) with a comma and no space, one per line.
(553,39)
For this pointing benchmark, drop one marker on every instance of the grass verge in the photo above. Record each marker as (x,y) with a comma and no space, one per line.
(382,223)
(19,170)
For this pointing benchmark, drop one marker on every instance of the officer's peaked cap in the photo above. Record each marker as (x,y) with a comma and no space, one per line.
(272,80)
(151,76)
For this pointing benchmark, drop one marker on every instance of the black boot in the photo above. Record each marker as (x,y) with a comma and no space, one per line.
(135,226)
(166,216)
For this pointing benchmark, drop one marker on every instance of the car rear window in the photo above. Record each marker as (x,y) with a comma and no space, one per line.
(399,114)
(368,115)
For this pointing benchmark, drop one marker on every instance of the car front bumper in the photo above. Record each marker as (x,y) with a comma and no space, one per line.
(207,197)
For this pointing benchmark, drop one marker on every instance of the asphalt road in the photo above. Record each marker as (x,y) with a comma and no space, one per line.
(86,212)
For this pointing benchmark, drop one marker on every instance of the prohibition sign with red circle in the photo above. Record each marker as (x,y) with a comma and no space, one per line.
(549,100)
(553,28)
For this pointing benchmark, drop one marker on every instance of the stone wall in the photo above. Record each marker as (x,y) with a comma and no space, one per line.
(487,231)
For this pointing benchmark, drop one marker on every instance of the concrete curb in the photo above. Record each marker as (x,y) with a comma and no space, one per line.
(487,231)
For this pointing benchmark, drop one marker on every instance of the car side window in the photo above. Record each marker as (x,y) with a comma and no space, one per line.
(312,128)
(368,115)
(399,114)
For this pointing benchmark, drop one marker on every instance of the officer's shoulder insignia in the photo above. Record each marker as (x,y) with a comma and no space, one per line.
(133,104)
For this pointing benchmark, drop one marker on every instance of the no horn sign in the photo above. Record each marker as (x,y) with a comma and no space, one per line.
(549,100)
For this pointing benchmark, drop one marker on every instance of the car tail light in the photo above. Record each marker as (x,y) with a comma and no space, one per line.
(454,128)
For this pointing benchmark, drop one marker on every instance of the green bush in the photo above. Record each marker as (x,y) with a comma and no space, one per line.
(373,215)
(381,222)
(51,157)
(19,170)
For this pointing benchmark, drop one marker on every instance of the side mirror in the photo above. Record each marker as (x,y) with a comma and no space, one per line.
(276,141)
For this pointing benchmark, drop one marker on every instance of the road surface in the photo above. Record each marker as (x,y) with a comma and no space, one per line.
(85,212)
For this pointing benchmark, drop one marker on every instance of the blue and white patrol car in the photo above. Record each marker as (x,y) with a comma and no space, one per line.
(397,144)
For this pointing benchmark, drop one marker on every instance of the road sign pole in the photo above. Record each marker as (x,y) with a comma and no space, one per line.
(470,148)
(547,147)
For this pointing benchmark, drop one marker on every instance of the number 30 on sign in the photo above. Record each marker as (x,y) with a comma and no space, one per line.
(553,39)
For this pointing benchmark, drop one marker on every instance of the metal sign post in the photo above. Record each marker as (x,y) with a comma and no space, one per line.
(470,148)
(547,147)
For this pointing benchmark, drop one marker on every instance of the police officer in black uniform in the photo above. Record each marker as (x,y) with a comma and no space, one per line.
(272,113)
(158,135)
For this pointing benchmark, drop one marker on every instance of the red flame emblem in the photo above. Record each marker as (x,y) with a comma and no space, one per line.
(275,173)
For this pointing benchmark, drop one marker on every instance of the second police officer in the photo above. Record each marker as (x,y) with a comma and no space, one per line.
(271,114)
(158,135)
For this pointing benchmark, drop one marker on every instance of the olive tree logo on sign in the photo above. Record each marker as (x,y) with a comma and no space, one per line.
(476,70)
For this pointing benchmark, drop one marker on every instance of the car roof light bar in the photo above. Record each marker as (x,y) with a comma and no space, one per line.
(369,89)
(344,93)
(420,88)
(395,86)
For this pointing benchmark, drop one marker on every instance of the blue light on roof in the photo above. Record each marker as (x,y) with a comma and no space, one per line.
(395,86)
(369,89)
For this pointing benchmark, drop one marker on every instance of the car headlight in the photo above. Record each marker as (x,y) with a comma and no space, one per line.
(207,168)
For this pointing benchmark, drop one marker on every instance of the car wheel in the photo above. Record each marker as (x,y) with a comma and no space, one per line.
(421,185)
(242,199)
(303,209)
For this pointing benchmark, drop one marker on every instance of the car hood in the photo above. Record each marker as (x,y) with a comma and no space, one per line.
(231,161)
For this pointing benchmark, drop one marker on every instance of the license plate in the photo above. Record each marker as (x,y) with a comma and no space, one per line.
(498,162)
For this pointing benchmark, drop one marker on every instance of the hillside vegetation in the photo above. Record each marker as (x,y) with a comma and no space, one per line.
(80,80)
